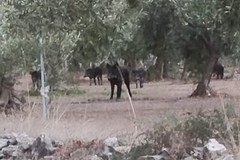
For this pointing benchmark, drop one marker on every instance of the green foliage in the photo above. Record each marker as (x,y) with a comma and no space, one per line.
(105,93)
(221,120)
(31,93)
(137,151)
(72,78)
(74,91)
(197,128)
(76,33)
(192,131)
(205,30)
(203,125)
(69,92)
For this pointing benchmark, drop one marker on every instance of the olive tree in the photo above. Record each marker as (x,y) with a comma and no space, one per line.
(209,29)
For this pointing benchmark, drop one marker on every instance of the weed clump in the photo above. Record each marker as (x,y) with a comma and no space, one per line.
(193,130)
(69,92)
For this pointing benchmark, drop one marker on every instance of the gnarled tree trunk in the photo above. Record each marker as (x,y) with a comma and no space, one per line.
(9,98)
(203,88)
(184,70)
(165,68)
(159,68)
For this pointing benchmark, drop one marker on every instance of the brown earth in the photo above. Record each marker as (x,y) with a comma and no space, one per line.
(92,115)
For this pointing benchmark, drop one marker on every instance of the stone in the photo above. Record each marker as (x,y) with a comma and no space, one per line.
(48,158)
(24,139)
(214,146)
(190,158)
(45,138)
(10,149)
(122,149)
(226,157)
(95,157)
(113,141)
(149,157)
(4,143)
(26,146)
(19,145)
(15,153)
(213,149)
(163,156)
(109,142)
(13,141)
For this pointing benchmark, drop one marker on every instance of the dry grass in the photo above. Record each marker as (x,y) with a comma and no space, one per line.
(93,115)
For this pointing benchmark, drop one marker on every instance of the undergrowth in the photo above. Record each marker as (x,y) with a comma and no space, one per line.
(66,91)
(193,130)
(70,91)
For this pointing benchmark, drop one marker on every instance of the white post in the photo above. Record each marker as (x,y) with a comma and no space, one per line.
(44,108)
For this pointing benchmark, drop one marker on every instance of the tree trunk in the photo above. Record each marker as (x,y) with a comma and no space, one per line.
(165,68)
(159,69)
(132,62)
(9,98)
(184,69)
(203,88)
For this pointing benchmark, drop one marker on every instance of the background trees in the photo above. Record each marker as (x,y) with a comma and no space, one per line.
(208,32)
(155,34)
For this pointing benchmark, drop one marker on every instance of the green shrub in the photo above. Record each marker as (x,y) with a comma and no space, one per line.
(31,93)
(192,130)
(197,128)
(137,151)
(72,78)
(69,91)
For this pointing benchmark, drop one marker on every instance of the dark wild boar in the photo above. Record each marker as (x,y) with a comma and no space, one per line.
(116,75)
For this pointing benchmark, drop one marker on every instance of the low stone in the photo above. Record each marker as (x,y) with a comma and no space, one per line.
(48,158)
(190,158)
(113,141)
(24,139)
(10,149)
(26,146)
(149,157)
(13,141)
(4,143)
(163,156)
(108,143)
(9,135)
(213,149)
(122,149)
(95,157)
(214,146)
(45,138)
(16,153)
(226,157)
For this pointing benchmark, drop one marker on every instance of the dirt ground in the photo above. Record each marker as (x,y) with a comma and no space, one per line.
(92,115)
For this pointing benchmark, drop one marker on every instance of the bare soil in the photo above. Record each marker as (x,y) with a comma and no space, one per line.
(92,115)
